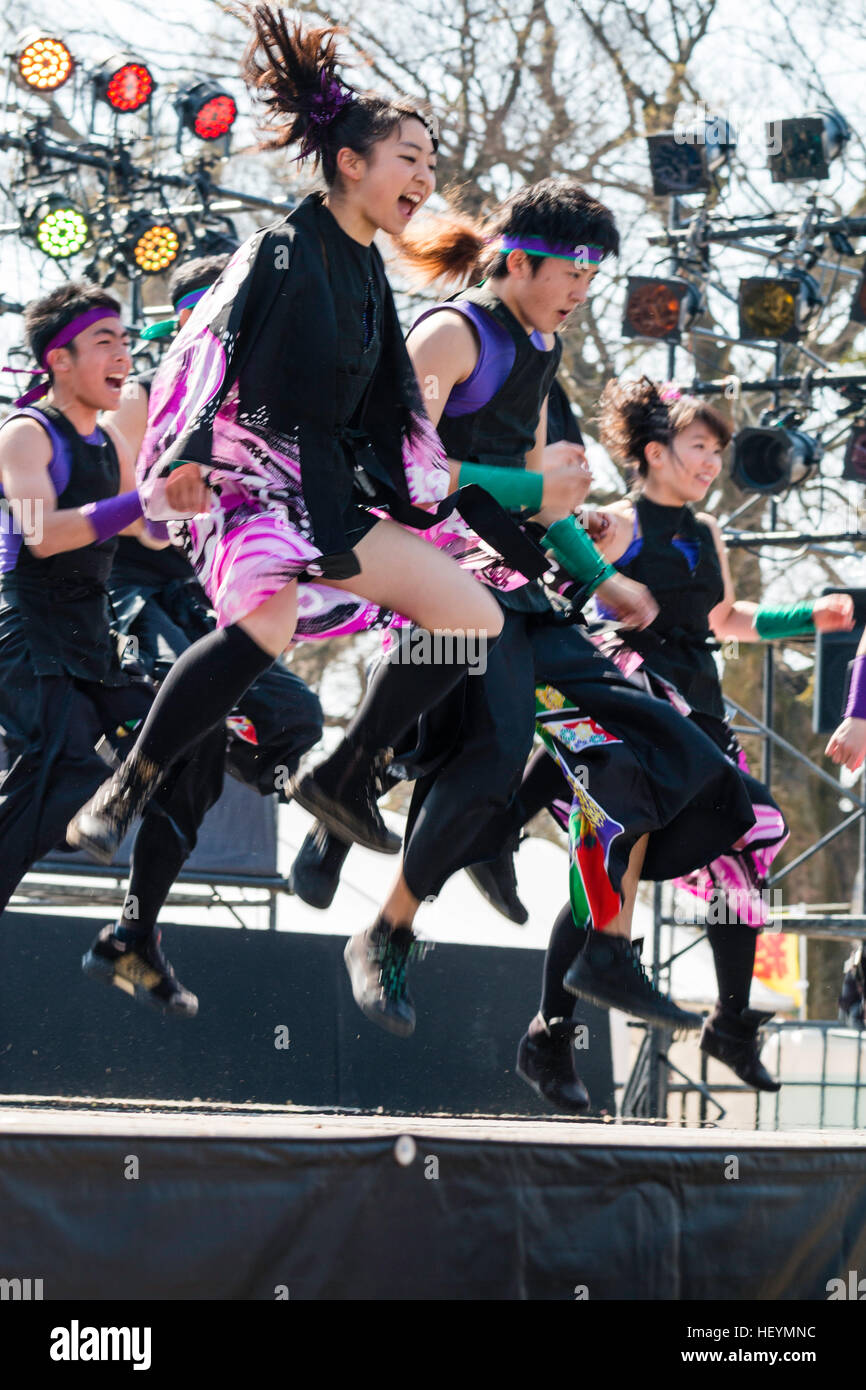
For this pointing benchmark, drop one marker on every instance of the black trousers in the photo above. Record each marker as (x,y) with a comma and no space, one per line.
(662,772)
(285,713)
(50,725)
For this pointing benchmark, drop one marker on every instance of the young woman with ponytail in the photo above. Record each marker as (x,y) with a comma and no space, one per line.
(486,360)
(284,412)
(675,444)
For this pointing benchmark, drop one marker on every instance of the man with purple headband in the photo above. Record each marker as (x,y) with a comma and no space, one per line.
(486,360)
(68,488)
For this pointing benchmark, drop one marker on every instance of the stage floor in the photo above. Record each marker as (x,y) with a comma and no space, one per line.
(103,1199)
(81,1115)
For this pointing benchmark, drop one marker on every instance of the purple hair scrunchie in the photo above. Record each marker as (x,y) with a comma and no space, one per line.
(325,106)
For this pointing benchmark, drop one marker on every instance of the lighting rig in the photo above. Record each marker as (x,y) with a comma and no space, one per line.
(100,206)
(777,311)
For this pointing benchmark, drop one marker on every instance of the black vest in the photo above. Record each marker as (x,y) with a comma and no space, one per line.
(503,431)
(61,598)
(679,644)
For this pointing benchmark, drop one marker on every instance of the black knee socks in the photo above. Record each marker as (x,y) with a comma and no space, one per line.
(566,941)
(733,946)
(413,679)
(202,687)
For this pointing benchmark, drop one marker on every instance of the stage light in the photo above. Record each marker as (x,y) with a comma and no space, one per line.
(854,467)
(773,458)
(152,245)
(803,148)
(207,110)
(123,83)
(60,228)
(781,309)
(44,63)
(684,161)
(661,309)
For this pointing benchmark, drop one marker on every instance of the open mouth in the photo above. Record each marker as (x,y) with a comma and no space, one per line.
(115,382)
(408,203)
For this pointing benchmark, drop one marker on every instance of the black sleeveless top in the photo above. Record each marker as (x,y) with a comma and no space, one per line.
(679,644)
(61,599)
(503,430)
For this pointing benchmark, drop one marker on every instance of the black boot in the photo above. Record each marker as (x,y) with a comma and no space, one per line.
(497,882)
(341,792)
(99,827)
(732,1037)
(139,969)
(545,1060)
(377,961)
(608,972)
(315,875)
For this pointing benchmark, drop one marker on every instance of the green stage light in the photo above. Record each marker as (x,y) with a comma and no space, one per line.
(60,228)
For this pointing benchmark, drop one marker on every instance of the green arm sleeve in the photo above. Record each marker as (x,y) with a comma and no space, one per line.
(576,553)
(796,621)
(512,487)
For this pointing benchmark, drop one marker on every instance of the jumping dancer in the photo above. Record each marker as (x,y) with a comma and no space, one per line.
(70,491)
(675,444)
(286,409)
(315,873)
(157,601)
(492,356)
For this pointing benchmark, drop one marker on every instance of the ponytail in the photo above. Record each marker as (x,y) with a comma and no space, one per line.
(456,247)
(293,72)
(450,248)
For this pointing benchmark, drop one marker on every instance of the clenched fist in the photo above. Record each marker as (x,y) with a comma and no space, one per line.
(834,613)
(186,490)
(632,603)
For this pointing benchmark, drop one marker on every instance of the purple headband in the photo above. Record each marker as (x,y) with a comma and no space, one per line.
(61,339)
(537,246)
(669,391)
(325,106)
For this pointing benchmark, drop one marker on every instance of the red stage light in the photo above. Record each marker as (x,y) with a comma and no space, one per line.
(124,83)
(661,309)
(207,110)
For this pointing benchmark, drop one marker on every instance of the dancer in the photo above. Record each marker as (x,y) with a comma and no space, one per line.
(315,873)
(69,492)
(675,445)
(283,411)
(490,355)
(157,601)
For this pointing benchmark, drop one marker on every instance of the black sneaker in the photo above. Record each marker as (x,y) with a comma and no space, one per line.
(497,882)
(377,961)
(100,826)
(341,792)
(315,875)
(732,1038)
(139,969)
(608,972)
(545,1061)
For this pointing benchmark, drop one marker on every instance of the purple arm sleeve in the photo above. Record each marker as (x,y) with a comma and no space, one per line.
(856,706)
(157,529)
(113,514)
